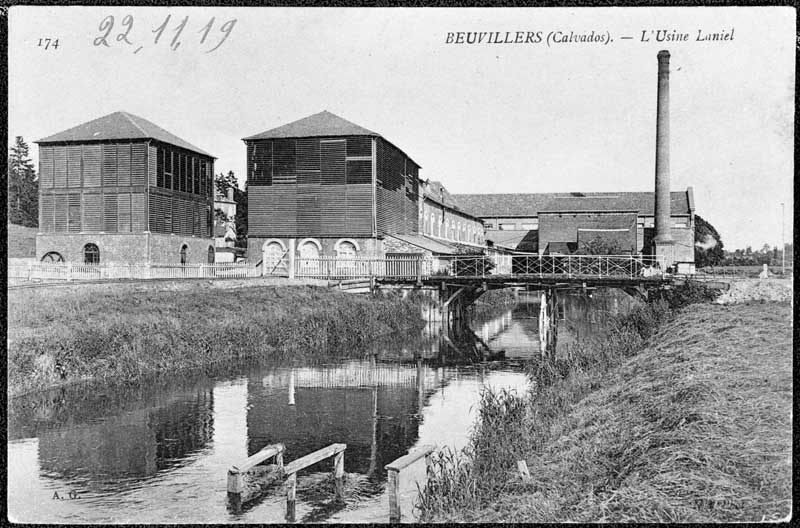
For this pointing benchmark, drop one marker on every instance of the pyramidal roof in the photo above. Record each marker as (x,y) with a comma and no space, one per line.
(120,125)
(321,124)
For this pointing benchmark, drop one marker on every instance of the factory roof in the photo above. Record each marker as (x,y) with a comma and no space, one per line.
(526,205)
(117,126)
(322,124)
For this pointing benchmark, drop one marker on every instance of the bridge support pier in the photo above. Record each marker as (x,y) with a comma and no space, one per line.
(548,325)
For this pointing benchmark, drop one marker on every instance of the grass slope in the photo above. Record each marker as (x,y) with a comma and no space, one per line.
(58,336)
(695,427)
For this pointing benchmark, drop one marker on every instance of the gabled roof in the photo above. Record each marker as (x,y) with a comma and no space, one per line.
(321,124)
(119,125)
(435,191)
(522,205)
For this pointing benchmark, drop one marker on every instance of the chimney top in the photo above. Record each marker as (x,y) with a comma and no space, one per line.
(663,54)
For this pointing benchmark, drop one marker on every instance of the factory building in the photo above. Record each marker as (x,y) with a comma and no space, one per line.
(325,187)
(122,190)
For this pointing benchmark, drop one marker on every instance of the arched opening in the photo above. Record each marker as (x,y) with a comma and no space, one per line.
(309,251)
(184,253)
(346,249)
(51,257)
(211,254)
(91,254)
(274,257)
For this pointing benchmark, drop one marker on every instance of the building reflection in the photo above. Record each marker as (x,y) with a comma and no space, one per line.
(372,406)
(126,439)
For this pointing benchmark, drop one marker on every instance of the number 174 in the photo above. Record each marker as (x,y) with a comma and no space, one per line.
(48,43)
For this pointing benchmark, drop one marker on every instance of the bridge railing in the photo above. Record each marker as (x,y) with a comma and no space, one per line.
(421,267)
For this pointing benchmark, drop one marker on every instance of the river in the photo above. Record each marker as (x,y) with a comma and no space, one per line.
(159,452)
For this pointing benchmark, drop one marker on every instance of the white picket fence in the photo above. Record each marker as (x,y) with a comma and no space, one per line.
(69,272)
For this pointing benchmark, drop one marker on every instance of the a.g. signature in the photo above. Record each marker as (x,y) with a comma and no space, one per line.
(71,495)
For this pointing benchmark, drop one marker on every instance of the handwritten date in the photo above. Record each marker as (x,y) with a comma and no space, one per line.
(125,27)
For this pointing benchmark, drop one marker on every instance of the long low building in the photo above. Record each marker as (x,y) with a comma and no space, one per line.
(564,223)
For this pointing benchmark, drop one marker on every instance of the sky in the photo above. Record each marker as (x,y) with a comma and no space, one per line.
(546,115)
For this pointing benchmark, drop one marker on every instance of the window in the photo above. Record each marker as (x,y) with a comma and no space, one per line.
(346,250)
(52,256)
(211,254)
(488,225)
(309,250)
(640,224)
(184,253)
(507,227)
(680,222)
(530,226)
(91,254)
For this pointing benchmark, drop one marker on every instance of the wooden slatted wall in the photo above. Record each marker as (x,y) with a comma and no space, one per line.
(109,165)
(138,163)
(397,191)
(316,187)
(73,212)
(110,213)
(124,164)
(47,213)
(61,212)
(59,167)
(124,212)
(151,164)
(74,166)
(91,165)
(92,212)
(45,167)
(138,219)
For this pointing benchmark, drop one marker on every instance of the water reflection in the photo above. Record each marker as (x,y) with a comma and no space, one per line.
(159,451)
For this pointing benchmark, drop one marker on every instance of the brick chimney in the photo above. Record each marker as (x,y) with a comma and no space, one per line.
(663,237)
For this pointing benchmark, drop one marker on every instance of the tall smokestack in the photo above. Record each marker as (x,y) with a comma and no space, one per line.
(662,212)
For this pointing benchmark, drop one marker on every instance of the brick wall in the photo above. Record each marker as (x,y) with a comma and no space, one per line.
(125,249)
(367,247)
(166,249)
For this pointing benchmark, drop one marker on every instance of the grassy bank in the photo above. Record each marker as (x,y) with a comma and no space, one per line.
(58,336)
(684,416)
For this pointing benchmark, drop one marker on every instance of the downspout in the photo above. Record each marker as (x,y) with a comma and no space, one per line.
(374,189)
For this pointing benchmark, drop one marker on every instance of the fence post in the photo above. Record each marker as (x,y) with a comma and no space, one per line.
(291,258)
(338,476)
(291,489)
(394,505)
(30,270)
(69,271)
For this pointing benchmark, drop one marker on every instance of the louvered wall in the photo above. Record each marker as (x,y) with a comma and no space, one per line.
(397,192)
(101,187)
(310,187)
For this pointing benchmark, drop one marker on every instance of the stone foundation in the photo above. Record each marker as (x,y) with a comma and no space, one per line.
(133,248)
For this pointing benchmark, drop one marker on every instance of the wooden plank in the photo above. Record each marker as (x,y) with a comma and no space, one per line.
(296,465)
(262,455)
(407,460)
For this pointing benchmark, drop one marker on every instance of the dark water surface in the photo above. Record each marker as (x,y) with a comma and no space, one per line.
(159,452)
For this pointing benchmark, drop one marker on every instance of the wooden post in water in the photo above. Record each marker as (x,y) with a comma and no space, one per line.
(338,476)
(291,490)
(394,506)
(394,469)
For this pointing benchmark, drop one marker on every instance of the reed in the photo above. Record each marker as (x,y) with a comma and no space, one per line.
(682,416)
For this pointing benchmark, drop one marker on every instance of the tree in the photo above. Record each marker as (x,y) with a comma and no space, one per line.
(223,182)
(23,187)
(708,247)
(240,197)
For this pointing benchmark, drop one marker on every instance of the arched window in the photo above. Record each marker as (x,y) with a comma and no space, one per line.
(91,254)
(346,250)
(184,253)
(211,254)
(309,250)
(52,256)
